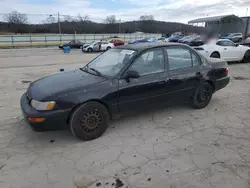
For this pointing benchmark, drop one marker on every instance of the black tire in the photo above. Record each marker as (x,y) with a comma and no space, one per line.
(90,50)
(215,55)
(202,95)
(80,47)
(108,48)
(89,121)
(246,58)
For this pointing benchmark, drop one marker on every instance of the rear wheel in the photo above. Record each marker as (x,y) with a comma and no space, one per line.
(215,55)
(202,95)
(90,50)
(89,121)
(108,48)
(246,58)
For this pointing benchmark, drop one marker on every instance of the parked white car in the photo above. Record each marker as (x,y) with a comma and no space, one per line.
(97,46)
(162,39)
(225,49)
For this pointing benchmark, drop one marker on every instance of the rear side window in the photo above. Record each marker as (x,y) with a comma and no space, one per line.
(179,58)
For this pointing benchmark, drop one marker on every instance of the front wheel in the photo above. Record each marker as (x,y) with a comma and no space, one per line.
(108,48)
(90,50)
(89,121)
(202,95)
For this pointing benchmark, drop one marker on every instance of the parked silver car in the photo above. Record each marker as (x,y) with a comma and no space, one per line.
(97,46)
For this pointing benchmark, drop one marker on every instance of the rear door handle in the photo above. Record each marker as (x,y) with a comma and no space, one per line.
(198,74)
(225,48)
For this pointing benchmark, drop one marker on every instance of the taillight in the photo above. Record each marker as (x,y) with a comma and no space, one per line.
(227,70)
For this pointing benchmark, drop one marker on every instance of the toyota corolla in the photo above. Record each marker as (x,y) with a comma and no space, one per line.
(124,79)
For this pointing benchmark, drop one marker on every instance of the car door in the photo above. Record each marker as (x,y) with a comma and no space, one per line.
(73,44)
(184,72)
(149,88)
(96,47)
(104,45)
(230,52)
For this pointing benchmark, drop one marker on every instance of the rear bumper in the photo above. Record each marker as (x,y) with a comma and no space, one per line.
(221,83)
(54,120)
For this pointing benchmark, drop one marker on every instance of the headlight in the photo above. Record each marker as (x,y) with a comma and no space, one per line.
(43,106)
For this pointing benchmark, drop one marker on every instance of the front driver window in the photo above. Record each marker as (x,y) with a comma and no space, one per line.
(229,43)
(149,62)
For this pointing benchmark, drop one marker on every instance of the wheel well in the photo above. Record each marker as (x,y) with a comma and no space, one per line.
(92,100)
(211,83)
(215,52)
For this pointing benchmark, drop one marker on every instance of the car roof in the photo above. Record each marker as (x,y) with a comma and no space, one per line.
(223,40)
(146,46)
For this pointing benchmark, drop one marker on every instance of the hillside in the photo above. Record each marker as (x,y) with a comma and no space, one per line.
(150,26)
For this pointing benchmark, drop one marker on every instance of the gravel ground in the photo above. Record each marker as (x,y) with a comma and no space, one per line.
(175,147)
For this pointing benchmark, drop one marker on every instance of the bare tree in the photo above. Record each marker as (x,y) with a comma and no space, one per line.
(110,19)
(146,17)
(68,18)
(82,18)
(51,19)
(16,18)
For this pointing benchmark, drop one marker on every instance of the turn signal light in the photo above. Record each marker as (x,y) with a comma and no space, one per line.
(36,120)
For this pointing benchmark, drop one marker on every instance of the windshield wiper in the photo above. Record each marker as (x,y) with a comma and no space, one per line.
(98,72)
(83,69)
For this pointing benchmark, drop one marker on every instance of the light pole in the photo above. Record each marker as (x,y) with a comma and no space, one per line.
(59,24)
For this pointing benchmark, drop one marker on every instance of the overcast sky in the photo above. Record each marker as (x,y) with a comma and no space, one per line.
(166,10)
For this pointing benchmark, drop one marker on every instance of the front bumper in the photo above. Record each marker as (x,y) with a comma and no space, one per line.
(54,120)
(221,83)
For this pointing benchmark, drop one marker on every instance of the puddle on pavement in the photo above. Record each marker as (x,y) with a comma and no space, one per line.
(240,78)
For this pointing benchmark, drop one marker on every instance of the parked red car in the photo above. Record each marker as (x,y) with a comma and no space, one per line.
(117,42)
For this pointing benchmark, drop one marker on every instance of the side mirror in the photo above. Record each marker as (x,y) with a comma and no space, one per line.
(131,74)
(236,45)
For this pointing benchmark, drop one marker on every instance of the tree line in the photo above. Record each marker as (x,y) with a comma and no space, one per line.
(16,22)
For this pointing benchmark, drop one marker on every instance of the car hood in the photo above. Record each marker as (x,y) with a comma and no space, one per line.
(62,83)
(86,45)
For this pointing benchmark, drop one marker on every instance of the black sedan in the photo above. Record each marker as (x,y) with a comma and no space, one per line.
(73,44)
(194,41)
(246,42)
(124,79)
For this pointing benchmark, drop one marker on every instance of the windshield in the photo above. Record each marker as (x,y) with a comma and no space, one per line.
(111,62)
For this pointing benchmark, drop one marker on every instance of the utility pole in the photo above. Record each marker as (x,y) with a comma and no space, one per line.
(119,25)
(59,24)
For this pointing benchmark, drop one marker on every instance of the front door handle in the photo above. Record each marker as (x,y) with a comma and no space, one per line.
(198,74)
(225,48)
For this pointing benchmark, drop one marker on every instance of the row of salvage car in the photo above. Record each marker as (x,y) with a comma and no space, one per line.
(223,48)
